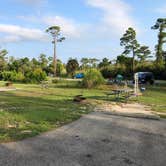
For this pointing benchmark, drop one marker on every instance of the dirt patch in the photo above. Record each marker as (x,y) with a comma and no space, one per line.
(5,89)
(126,109)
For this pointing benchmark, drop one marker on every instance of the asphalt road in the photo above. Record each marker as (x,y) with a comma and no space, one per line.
(96,139)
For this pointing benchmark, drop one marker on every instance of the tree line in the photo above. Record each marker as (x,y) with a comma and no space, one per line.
(134,58)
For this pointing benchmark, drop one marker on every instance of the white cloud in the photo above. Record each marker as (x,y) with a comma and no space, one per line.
(68,26)
(116,14)
(10,39)
(161,10)
(14,33)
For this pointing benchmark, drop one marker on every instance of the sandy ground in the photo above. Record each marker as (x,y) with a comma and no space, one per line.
(96,139)
(128,109)
(5,89)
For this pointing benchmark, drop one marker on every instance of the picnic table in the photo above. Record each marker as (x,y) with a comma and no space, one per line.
(127,92)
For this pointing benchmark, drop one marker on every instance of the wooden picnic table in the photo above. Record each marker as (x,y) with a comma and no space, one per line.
(127,92)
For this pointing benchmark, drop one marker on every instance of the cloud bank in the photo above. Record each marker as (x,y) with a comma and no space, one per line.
(114,19)
(116,14)
(14,33)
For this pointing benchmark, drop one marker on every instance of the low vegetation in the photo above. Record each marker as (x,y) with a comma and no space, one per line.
(92,78)
(31,109)
(155,96)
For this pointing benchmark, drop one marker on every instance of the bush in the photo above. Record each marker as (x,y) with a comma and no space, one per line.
(113,71)
(92,78)
(19,77)
(7,75)
(35,76)
(55,81)
(108,72)
(30,77)
(12,76)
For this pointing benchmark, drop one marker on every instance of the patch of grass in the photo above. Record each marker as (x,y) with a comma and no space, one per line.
(32,110)
(155,96)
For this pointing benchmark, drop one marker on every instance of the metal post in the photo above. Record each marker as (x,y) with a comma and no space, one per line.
(136,84)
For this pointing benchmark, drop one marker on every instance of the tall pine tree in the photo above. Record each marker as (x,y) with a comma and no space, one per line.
(128,40)
(161,26)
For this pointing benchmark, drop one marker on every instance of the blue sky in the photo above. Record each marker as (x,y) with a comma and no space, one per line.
(92,27)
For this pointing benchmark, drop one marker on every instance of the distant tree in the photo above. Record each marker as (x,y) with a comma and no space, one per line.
(89,63)
(123,59)
(20,65)
(85,63)
(130,44)
(43,61)
(164,54)
(93,62)
(104,63)
(71,66)
(24,65)
(55,32)
(143,53)
(161,26)
(125,62)
(11,59)
(3,62)
(60,68)
(35,63)
(3,52)
(50,59)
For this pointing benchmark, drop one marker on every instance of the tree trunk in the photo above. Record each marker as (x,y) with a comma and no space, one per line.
(54,59)
(133,65)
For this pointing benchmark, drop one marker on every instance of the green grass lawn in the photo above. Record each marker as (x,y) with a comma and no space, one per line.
(31,110)
(155,96)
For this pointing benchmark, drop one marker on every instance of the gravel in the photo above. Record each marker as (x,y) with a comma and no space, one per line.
(96,139)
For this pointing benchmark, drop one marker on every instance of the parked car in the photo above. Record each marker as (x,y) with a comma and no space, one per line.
(145,77)
(79,76)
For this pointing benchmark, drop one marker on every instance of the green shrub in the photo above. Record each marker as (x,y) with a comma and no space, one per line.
(92,78)
(108,72)
(35,76)
(30,77)
(55,81)
(19,77)
(12,76)
(113,71)
(8,75)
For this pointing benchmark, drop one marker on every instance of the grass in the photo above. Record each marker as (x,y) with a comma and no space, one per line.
(155,96)
(31,110)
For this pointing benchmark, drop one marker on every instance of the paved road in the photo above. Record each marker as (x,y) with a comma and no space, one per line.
(96,139)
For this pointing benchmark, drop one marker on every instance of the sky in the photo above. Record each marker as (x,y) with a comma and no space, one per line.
(92,27)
